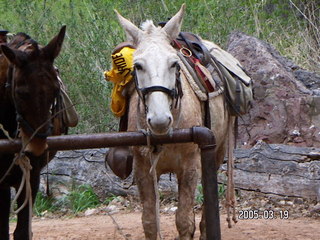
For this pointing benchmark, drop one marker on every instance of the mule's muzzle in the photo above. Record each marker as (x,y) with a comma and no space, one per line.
(160,125)
(35,145)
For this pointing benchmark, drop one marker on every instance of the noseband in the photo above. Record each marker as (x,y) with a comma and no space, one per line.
(175,93)
(26,125)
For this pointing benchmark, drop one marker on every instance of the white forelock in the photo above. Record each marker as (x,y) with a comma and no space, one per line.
(148,26)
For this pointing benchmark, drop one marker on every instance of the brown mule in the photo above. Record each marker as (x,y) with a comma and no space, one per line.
(29,88)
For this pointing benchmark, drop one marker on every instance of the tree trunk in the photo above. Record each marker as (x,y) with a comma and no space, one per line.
(278,169)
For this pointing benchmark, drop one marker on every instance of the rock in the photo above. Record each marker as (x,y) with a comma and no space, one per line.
(316,208)
(70,168)
(277,169)
(309,79)
(169,209)
(78,167)
(286,108)
(111,209)
(172,209)
(298,201)
(91,211)
(289,203)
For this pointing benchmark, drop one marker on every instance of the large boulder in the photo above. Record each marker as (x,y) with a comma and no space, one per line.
(69,169)
(286,108)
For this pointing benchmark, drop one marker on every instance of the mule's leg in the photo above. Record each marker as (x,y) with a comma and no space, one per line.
(148,199)
(185,219)
(4,213)
(22,229)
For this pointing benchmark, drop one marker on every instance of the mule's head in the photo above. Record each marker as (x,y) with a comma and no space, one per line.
(35,87)
(156,67)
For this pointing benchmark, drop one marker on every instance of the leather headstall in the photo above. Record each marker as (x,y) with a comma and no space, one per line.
(21,120)
(175,93)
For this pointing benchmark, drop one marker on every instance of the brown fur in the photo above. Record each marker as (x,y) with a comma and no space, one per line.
(30,90)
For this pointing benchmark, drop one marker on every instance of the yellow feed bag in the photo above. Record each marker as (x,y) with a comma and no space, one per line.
(120,75)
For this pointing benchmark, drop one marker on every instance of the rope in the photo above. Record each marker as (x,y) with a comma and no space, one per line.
(6,133)
(48,187)
(118,228)
(24,163)
(154,158)
(230,198)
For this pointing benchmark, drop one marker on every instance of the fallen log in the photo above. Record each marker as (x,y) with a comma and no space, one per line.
(278,169)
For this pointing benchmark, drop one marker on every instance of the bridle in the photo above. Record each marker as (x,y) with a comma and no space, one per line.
(22,122)
(175,94)
(10,86)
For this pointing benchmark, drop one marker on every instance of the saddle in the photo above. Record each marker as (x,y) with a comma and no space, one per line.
(197,59)
(193,43)
(215,69)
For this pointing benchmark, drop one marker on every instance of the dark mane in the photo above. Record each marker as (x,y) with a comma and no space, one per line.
(18,38)
(21,39)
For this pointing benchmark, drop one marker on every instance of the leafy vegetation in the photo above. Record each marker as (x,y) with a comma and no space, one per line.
(81,198)
(109,199)
(199,195)
(93,31)
(44,204)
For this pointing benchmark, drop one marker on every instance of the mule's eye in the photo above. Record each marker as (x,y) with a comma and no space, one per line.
(23,93)
(174,65)
(138,66)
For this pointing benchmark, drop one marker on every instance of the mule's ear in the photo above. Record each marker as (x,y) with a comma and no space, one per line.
(133,33)
(173,26)
(14,56)
(53,48)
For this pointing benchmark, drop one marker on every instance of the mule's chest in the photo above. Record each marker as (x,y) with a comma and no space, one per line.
(174,158)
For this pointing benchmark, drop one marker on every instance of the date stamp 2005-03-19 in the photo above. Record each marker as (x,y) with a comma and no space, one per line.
(263,214)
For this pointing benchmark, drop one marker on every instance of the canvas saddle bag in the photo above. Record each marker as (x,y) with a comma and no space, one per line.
(69,114)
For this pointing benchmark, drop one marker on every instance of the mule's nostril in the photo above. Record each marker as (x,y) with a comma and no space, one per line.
(149,120)
(170,119)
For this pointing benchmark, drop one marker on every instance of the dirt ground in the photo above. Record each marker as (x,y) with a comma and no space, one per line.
(127,225)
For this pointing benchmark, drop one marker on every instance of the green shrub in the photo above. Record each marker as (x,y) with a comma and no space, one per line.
(109,199)
(78,200)
(82,198)
(44,204)
(199,196)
